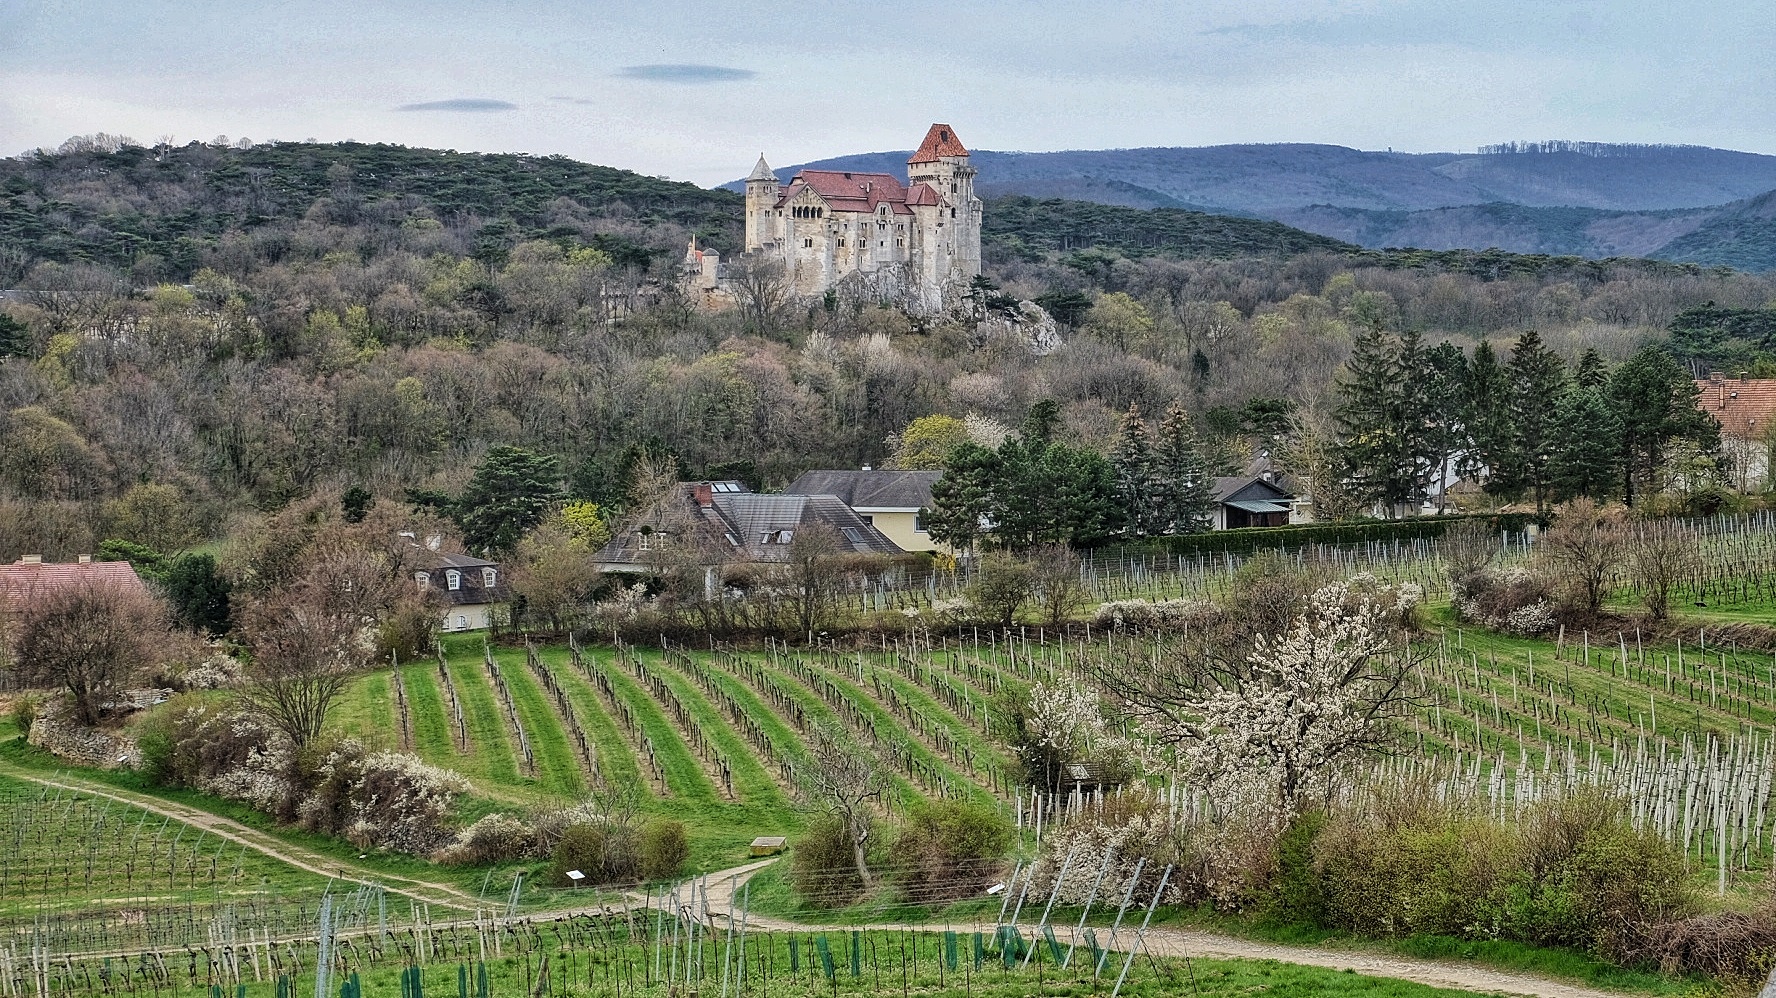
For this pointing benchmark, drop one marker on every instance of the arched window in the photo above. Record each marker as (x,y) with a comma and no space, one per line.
(424,579)
(453,579)
(489,578)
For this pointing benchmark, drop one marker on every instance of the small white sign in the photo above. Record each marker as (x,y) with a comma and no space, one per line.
(996,888)
(575,876)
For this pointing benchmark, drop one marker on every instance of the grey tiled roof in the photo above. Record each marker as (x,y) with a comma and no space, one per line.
(1248,488)
(869,489)
(745,526)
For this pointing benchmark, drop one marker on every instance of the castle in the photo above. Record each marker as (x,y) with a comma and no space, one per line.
(916,244)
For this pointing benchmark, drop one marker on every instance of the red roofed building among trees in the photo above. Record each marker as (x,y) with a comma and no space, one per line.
(23,580)
(914,243)
(1745,408)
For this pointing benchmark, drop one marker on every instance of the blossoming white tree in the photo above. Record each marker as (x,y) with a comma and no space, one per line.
(1273,727)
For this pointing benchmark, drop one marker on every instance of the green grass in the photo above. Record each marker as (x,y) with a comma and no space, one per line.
(429,715)
(492,759)
(558,767)
(753,783)
(616,759)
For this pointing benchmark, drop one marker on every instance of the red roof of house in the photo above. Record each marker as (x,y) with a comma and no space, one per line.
(941,141)
(20,580)
(1744,407)
(860,192)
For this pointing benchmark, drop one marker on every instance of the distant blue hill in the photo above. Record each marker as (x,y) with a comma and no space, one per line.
(1677,202)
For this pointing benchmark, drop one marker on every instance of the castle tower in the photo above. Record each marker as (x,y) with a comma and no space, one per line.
(761,197)
(951,236)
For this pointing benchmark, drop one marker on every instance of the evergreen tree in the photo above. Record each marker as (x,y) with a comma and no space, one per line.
(962,497)
(1590,372)
(1441,384)
(15,337)
(1418,415)
(1085,482)
(1040,422)
(1375,445)
(1133,461)
(511,490)
(198,593)
(1656,401)
(1183,490)
(1587,444)
(1489,439)
(1537,380)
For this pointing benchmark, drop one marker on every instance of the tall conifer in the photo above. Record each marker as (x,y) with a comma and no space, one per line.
(1184,488)
(1133,460)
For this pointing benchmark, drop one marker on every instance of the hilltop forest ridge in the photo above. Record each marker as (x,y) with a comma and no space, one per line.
(1680,203)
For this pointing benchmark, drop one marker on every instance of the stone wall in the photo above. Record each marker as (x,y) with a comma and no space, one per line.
(56,730)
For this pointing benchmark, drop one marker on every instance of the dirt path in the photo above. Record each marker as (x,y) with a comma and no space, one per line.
(425,891)
(1213,945)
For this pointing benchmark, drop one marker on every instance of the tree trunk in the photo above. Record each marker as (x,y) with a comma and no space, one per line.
(857,856)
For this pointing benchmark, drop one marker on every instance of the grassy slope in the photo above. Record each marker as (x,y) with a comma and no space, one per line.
(558,767)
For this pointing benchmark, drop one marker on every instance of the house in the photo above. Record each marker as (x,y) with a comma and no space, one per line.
(890,501)
(471,588)
(918,241)
(724,523)
(1745,408)
(1252,502)
(30,575)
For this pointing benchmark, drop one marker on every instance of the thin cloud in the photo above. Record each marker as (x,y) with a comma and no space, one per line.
(685,73)
(461,104)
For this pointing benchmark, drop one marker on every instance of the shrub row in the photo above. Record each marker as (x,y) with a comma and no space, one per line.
(1248,539)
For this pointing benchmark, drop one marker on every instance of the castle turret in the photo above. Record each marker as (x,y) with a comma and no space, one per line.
(761,198)
(952,239)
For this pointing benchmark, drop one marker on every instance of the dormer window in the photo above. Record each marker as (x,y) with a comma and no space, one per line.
(489,578)
(424,579)
(453,580)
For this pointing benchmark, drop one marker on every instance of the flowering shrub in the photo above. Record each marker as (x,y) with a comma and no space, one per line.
(494,838)
(387,800)
(1170,616)
(1514,600)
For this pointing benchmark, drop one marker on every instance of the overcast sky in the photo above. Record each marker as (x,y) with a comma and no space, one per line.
(696,90)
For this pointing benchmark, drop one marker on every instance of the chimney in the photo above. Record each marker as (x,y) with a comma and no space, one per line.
(86,559)
(704,493)
(31,559)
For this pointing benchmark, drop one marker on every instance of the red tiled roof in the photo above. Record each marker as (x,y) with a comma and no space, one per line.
(941,141)
(861,192)
(19,581)
(1743,408)
(921,195)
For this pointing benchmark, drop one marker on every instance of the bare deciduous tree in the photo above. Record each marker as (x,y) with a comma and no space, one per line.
(762,290)
(843,779)
(1468,547)
(1059,591)
(1583,547)
(309,637)
(1663,555)
(814,572)
(90,638)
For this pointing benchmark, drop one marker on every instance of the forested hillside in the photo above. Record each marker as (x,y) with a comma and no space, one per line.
(198,335)
(157,211)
